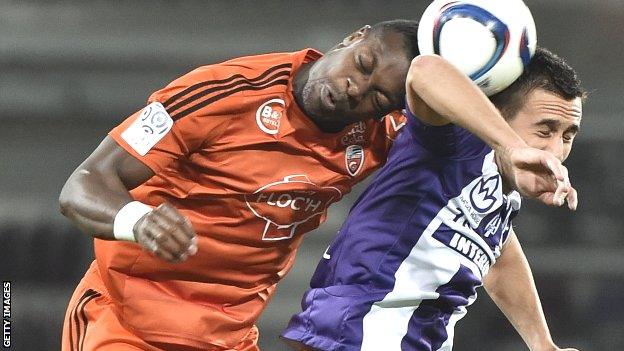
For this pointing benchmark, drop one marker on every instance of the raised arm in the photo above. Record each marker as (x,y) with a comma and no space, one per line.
(97,190)
(510,285)
(438,94)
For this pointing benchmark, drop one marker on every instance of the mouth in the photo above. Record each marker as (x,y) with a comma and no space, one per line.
(327,98)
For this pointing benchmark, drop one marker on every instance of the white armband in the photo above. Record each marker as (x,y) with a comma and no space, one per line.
(126,218)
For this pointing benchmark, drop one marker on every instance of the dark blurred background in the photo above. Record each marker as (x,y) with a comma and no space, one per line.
(71,70)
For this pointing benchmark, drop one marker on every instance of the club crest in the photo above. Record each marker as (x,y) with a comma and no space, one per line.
(354,159)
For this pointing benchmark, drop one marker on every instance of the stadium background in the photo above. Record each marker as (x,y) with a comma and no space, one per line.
(71,70)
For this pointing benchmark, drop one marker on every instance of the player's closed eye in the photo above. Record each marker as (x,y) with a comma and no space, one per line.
(364,64)
(544,133)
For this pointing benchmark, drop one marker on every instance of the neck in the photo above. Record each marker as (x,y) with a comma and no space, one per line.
(506,187)
(327,125)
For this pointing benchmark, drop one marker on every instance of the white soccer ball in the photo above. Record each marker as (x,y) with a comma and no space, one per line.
(489,40)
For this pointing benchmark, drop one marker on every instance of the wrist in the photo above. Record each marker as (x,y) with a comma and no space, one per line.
(544,344)
(126,218)
(508,142)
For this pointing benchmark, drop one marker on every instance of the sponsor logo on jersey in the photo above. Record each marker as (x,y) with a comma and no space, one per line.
(354,159)
(355,135)
(479,198)
(269,115)
(471,250)
(148,129)
(464,245)
(287,203)
(483,193)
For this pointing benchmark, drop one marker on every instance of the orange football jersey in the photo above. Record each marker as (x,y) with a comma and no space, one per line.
(233,152)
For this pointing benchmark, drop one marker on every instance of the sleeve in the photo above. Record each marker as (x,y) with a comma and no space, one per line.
(179,119)
(447,141)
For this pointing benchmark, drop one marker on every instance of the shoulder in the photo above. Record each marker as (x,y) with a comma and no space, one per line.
(445,141)
(256,68)
(223,87)
(261,61)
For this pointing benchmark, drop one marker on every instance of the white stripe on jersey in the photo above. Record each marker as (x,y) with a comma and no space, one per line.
(429,265)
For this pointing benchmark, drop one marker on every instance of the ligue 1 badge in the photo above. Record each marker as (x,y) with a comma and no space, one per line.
(354,159)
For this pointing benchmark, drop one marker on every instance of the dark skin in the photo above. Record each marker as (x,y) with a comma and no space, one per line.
(98,189)
(363,77)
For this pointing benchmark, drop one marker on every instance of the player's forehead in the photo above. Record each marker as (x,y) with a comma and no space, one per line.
(390,47)
(391,62)
(545,105)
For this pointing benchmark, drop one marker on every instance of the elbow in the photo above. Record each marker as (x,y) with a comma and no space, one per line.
(424,69)
(66,200)
(426,61)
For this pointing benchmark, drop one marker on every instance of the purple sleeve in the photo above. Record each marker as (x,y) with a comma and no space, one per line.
(449,141)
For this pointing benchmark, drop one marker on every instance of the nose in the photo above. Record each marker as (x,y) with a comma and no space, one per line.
(555,147)
(355,90)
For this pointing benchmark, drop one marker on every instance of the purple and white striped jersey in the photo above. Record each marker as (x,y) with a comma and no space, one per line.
(415,246)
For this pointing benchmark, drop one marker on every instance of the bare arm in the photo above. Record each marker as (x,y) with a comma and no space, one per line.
(438,94)
(510,285)
(98,189)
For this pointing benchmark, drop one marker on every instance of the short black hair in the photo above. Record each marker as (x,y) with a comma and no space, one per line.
(545,71)
(407,28)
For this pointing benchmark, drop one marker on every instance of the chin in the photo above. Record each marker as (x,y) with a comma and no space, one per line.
(311,98)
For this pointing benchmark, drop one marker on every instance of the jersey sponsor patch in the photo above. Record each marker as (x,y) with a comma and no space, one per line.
(479,198)
(269,115)
(468,248)
(483,194)
(289,202)
(148,129)
(356,135)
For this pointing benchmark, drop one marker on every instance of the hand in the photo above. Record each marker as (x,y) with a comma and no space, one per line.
(166,233)
(537,174)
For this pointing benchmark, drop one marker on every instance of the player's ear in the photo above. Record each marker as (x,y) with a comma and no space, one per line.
(355,36)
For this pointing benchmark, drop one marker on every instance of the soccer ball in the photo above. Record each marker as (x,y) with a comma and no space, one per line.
(489,40)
